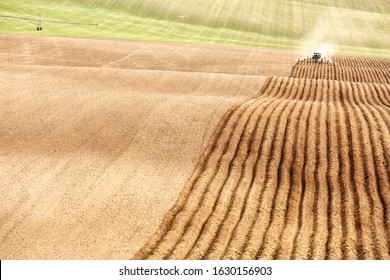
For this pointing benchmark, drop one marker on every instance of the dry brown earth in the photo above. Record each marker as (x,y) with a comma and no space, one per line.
(300,171)
(98,137)
(53,51)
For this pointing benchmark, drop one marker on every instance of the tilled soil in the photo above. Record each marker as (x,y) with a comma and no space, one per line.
(353,69)
(300,171)
(98,137)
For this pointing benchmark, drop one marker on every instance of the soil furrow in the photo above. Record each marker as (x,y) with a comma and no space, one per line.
(226,126)
(272,154)
(371,142)
(299,172)
(226,229)
(226,200)
(305,179)
(318,237)
(281,199)
(241,234)
(365,230)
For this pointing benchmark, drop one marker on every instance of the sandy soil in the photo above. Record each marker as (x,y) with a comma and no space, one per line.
(53,51)
(98,137)
(299,172)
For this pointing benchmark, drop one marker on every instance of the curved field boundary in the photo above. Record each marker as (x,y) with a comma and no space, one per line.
(301,171)
(357,69)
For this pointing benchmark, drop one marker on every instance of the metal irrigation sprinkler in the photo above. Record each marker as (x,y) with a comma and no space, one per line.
(41,20)
(39,23)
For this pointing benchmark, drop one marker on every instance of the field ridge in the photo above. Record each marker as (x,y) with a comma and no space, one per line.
(344,68)
(300,171)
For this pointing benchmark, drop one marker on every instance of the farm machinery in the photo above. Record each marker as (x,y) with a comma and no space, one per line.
(39,21)
(316,57)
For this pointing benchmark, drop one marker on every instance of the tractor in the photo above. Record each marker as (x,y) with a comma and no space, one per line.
(316,57)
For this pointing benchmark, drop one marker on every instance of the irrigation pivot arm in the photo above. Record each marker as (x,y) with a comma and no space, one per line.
(69,22)
(52,21)
(23,18)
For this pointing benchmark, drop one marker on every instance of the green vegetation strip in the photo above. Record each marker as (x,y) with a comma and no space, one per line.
(353,27)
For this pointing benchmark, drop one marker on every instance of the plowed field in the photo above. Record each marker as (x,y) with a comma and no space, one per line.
(105,153)
(300,171)
(98,137)
(370,70)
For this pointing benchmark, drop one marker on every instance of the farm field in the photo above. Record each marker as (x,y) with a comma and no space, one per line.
(362,26)
(192,130)
(98,137)
(300,171)
(346,69)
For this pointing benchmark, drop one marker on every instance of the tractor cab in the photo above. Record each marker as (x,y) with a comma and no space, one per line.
(316,57)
